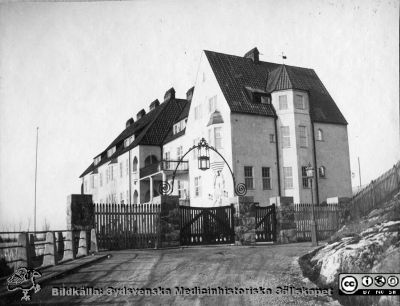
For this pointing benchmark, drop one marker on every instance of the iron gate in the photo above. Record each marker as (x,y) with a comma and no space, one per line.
(206,225)
(265,223)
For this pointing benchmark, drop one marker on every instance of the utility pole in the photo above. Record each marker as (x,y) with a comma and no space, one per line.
(37,140)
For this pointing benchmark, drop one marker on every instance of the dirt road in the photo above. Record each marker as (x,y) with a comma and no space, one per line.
(227,267)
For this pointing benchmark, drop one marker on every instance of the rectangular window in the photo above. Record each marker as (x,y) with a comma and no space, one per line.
(303,136)
(283,102)
(248,177)
(92,181)
(197,186)
(195,143)
(120,169)
(218,138)
(107,175)
(167,158)
(180,189)
(179,152)
(197,112)
(127,167)
(266,178)
(101,179)
(288,177)
(299,102)
(212,104)
(285,136)
(304,177)
(111,173)
(271,137)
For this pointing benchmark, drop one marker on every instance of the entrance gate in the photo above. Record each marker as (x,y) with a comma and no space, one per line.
(206,225)
(265,223)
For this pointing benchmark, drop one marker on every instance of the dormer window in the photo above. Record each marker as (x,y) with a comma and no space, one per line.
(128,141)
(97,160)
(265,99)
(111,151)
(180,126)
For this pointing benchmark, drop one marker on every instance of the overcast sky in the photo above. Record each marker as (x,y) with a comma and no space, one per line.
(80,70)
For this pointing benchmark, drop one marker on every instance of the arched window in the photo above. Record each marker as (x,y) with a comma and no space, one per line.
(151,159)
(322,171)
(134,164)
(320,135)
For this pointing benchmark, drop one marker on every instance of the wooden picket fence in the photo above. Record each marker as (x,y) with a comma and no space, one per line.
(326,216)
(124,226)
(377,192)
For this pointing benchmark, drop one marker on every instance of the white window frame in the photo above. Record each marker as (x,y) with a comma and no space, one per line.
(197,186)
(303,136)
(212,104)
(299,102)
(288,177)
(285,132)
(283,104)
(266,179)
(304,177)
(218,138)
(249,179)
(320,135)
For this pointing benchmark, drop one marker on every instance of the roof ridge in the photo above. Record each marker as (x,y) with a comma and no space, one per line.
(260,61)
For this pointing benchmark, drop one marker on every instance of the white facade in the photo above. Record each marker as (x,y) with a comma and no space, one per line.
(266,153)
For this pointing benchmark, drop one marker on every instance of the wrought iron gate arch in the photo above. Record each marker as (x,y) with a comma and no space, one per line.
(165,188)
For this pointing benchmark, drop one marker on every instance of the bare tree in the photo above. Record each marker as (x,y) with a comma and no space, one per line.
(46,225)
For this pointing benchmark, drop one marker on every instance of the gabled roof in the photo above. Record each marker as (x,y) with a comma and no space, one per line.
(234,74)
(151,129)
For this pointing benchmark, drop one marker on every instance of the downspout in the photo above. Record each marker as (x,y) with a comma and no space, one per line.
(130,185)
(277,156)
(315,159)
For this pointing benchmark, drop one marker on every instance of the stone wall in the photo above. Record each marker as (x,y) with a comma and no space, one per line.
(286,226)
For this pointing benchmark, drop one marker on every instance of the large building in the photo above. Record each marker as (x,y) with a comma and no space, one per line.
(269,121)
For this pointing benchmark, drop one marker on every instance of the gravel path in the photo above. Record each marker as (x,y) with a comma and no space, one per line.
(267,266)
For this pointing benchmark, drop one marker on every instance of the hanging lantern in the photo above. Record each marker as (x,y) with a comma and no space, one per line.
(203,155)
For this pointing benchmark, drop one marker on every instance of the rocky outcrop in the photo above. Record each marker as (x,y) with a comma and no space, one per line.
(371,244)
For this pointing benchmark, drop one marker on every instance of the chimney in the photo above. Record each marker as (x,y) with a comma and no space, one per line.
(189,94)
(140,114)
(154,104)
(169,94)
(253,55)
(129,122)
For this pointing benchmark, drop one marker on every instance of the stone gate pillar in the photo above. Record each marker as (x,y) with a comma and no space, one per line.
(170,221)
(286,227)
(245,222)
(80,212)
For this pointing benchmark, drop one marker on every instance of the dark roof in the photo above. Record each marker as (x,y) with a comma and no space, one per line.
(185,112)
(151,129)
(234,74)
